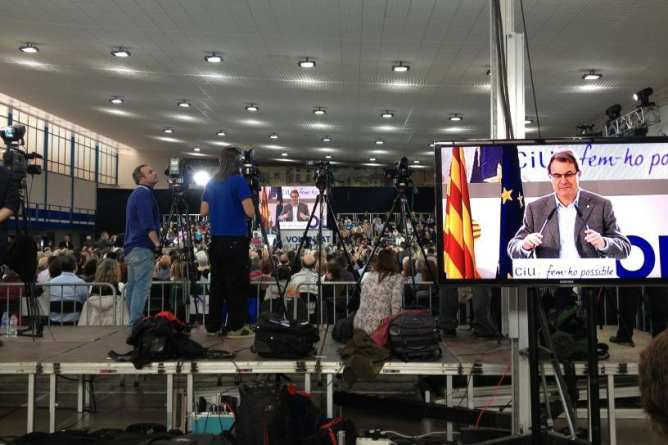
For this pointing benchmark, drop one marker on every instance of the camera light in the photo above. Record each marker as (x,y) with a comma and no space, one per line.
(201,177)
(121,51)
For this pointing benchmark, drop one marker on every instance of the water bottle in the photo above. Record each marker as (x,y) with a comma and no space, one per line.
(4,325)
(13,326)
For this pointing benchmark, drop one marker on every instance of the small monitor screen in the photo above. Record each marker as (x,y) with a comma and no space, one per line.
(290,207)
(564,212)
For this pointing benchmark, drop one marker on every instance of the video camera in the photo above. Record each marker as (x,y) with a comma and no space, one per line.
(323,176)
(249,170)
(400,173)
(178,175)
(16,159)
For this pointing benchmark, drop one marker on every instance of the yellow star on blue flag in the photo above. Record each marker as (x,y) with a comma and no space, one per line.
(506,195)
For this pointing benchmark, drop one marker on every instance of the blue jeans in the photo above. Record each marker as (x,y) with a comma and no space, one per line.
(140,268)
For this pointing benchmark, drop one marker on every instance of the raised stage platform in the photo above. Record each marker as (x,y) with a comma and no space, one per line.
(80,351)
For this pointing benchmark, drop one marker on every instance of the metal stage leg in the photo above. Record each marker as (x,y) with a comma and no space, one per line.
(612,415)
(189,401)
(594,395)
(307,382)
(469,392)
(448,400)
(52,403)
(80,395)
(518,332)
(170,401)
(30,427)
(329,379)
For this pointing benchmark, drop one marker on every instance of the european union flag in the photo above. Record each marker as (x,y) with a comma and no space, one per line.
(512,206)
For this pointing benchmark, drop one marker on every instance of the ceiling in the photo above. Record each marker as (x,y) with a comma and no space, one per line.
(354,43)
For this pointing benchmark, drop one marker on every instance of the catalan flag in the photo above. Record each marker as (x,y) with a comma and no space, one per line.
(458,231)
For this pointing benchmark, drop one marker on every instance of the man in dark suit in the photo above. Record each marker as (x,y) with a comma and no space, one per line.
(294,210)
(569,223)
(66,243)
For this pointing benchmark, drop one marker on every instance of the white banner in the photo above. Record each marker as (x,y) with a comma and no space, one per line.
(291,238)
(558,269)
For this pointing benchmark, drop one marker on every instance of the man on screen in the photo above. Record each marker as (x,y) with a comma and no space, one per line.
(294,210)
(569,223)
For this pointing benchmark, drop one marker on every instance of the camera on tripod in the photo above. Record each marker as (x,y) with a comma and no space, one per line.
(178,175)
(323,176)
(400,173)
(249,170)
(16,159)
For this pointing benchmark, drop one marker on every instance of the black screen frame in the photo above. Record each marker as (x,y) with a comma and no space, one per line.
(505,282)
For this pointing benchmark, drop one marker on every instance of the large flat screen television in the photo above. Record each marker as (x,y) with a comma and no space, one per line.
(553,211)
(289,207)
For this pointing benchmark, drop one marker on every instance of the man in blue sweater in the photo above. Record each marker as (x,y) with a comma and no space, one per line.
(142,242)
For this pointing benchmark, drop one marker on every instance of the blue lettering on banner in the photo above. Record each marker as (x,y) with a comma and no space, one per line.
(591,160)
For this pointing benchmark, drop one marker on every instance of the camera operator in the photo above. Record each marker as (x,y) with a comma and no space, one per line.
(142,242)
(9,204)
(227,202)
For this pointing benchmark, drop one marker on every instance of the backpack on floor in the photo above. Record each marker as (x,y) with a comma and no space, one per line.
(276,337)
(415,337)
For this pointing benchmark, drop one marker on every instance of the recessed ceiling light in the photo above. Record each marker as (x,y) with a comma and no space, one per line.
(456,117)
(319,111)
(327,139)
(328,156)
(379,142)
(273,136)
(29,48)
(416,161)
(284,154)
(528,121)
(213,58)
(121,51)
(252,108)
(306,62)
(196,148)
(221,133)
(387,114)
(183,103)
(592,75)
(400,67)
(116,100)
(168,130)
(372,159)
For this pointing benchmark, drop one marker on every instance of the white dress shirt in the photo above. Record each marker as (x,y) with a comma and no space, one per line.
(567,215)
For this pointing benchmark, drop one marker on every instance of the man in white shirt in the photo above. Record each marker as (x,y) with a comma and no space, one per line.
(67,300)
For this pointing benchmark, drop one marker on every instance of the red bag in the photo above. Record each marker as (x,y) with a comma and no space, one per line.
(381,336)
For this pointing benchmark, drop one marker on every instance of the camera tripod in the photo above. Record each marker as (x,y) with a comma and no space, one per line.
(322,201)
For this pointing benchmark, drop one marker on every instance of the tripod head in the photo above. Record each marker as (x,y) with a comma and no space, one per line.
(400,174)
(250,171)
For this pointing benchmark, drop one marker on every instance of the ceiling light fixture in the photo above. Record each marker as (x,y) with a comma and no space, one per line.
(252,108)
(116,100)
(221,133)
(528,121)
(213,58)
(284,154)
(273,136)
(416,161)
(121,51)
(28,48)
(387,114)
(168,130)
(319,111)
(306,62)
(328,156)
(456,117)
(379,142)
(372,159)
(400,67)
(592,75)
(327,139)
(183,103)
(196,148)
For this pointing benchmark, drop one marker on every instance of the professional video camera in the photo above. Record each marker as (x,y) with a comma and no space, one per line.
(249,170)
(323,176)
(16,159)
(400,173)
(178,175)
